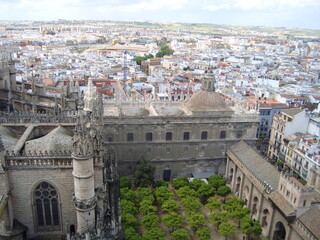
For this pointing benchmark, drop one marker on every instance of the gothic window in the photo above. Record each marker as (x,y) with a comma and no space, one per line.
(239,134)
(46,202)
(169,136)
(204,135)
(186,136)
(149,137)
(130,137)
(110,137)
(223,134)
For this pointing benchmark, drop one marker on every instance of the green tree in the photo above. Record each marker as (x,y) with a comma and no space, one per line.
(203,234)
(125,182)
(227,229)
(139,59)
(172,220)
(191,204)
(128,220)
(170,205)
(131,234)
(213,204)
(128,194)
(196,220)
(144,194)
(239,213)
(153,234)
(180,182)
(204,192)
(217,218)
(250,226)
(160,183)
(196,183)
(165,50)
(186,191)
(162,194)
(144,175)
(216,181)
(180,234)
(232,204)
(223,191)
(150,220)
(128,207)
(146,207)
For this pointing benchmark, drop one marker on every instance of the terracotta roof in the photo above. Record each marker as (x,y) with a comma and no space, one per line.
(256,164)
(292,111)
(288,96)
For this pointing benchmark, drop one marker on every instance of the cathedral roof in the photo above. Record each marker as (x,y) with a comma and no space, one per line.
(204,101)
(311,220)
(256,164)
(8,138)
(58,139)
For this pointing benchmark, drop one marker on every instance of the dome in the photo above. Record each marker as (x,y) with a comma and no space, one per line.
(205,101)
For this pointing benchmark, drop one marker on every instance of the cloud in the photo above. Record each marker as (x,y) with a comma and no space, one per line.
(258,4)
(155,5)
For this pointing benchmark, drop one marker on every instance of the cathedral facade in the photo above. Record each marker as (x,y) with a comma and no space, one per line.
(59,177)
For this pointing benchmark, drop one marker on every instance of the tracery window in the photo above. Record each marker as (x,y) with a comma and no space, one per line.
(47,213)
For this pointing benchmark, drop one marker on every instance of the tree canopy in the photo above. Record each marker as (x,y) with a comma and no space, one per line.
(180,182)
(170,205)
(203,234)
(218,217)
(139,59)
(250,226)
(131,234)
(153,234)
(150,220)
(227,229)
(144,175)
(196,220)
(172,220)
(191,204)
(165,50)
(180,234)
(213,204)
(216,181)
(125,182)
(162,194)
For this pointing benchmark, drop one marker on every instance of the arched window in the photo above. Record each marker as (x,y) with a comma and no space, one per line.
(254,205)
(46,202)
(279,232)
(266,214)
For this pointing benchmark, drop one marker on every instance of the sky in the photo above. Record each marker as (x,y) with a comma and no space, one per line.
(277,13)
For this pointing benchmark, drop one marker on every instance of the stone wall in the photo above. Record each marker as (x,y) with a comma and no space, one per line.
(22,184)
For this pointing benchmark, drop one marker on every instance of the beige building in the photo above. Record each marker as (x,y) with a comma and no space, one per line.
(287,122)
(286,209)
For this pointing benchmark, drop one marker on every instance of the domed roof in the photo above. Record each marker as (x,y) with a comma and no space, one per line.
(205,101)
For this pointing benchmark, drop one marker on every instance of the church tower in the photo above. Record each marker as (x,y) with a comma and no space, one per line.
(208,83)
(83,167)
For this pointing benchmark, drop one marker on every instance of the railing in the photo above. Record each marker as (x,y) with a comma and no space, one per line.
(65,117)
(38,160)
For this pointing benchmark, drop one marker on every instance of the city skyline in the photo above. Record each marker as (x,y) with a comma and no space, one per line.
(275,13)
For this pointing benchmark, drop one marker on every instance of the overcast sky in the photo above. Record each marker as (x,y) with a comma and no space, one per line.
(280,13)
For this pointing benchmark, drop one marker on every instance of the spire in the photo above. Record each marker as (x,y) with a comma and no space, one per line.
(90,97)
(208,83)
